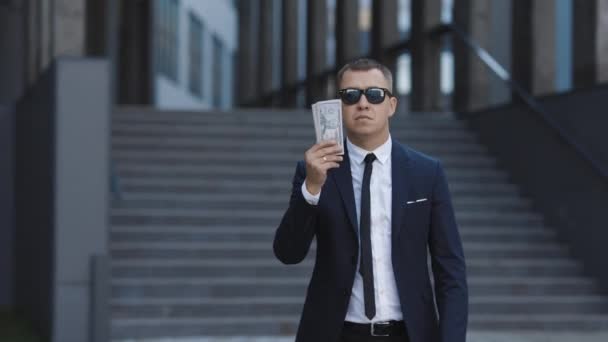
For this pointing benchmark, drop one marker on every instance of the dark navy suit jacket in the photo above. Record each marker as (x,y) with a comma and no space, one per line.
(415,227)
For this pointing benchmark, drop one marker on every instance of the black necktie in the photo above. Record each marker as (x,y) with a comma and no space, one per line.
(366,268)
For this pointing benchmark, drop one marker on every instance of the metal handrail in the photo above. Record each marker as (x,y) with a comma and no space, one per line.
(115,187)
(525,96)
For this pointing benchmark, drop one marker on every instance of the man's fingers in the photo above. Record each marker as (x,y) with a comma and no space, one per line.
(331,165)
(322,144)
(331,158)
(326,151)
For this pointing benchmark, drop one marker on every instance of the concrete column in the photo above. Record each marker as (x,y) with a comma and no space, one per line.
(135,53)
(471,78)
(32,40)
(266,46)
(69,27)
(12,45)
(426,56)
(601,40)
(61,186)
(385,32)
(316,56)
(289,48)
(590,49)
(347,31)
(248,50)
(7,207)
(533,54)
(96,28)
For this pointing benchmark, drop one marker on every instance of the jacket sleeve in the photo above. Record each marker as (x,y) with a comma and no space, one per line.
(295,233)
(448,263)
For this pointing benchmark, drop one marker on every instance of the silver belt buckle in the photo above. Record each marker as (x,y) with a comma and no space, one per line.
(378,323)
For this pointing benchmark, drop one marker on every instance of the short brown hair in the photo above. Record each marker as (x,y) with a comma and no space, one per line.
(364,64)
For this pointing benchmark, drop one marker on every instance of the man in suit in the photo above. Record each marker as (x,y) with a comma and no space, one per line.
(375,211)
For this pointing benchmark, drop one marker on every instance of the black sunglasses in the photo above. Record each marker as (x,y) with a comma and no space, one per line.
(374,95)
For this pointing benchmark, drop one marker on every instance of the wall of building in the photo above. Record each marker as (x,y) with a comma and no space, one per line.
(12,56)
(571,195)
(7,230)
(219,19)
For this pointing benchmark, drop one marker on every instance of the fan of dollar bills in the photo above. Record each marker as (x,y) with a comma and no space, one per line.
(327,116)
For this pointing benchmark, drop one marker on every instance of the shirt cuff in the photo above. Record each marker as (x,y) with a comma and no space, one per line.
(311,199)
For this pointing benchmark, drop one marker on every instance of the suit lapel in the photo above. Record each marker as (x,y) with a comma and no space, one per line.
(400,176)
(344,182)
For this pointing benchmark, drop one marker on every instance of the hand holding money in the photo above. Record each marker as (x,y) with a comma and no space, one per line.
(327,116)
(320,158)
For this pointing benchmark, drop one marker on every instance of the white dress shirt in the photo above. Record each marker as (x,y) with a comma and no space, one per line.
(388,306)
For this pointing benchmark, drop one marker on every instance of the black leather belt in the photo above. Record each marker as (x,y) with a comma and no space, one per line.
(388,328)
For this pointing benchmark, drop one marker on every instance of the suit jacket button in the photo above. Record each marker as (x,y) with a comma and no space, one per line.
(346,292)
(353,260)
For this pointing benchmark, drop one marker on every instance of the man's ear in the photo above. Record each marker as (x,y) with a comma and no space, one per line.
(393,103)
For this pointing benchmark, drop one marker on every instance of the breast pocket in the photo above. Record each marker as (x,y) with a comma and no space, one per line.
(417,217)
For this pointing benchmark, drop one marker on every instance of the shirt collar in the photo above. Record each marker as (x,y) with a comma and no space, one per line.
(357,154)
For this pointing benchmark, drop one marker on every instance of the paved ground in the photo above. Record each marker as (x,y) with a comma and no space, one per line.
(473,337)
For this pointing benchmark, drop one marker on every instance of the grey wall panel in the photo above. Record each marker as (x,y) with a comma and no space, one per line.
(12,45)
(34,203)
(583,114)
(572,196)
(62,196)
(7,229)
(81,188)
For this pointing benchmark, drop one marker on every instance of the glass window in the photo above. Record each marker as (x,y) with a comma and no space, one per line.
(218,66)
(404,18)
(195,56)
(167,37)
(365,26)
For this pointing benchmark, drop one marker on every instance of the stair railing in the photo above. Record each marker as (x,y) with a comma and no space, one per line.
(527,98)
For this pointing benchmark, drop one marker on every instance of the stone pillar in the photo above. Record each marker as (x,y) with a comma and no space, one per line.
(248,51)
(135,53)
(69,28)
(426,56)
(53,28)
(590,48)
(32,41)
(289,50)
(96,28)
(385,32)
(471,78)
(266,47)
(12,45)
(316,54)
(533,45)
(347,31)
(601,41)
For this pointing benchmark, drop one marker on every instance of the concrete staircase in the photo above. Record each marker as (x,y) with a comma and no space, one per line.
(191,239)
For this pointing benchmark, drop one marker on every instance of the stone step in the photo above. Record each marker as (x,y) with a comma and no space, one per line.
(267,116)
(204,216)
(269,145)
(277,159)
(208,132)
(569,322)
(272,186)
(263,172)
(247,249)
(263,233)
(296,286)
(254,200)
(253,325)
(154,268)
(283,325)
(230,306)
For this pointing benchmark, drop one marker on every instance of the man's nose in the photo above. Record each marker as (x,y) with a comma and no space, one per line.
(363,104)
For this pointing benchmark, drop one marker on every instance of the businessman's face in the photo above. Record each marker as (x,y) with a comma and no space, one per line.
(365,121)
